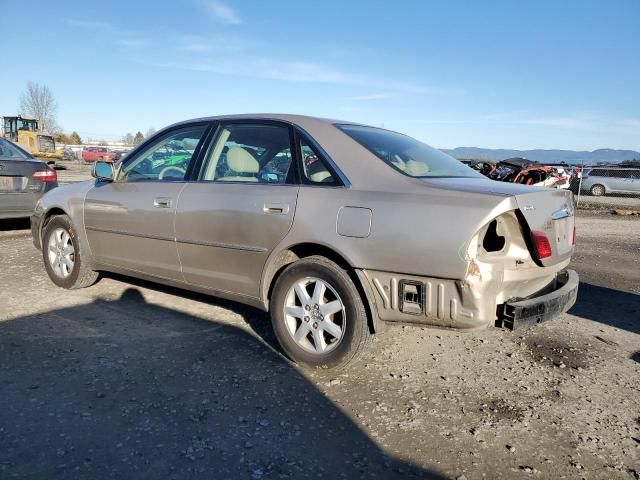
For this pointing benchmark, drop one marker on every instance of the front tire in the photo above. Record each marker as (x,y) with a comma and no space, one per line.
(62,255)
(598,190)
(318,315)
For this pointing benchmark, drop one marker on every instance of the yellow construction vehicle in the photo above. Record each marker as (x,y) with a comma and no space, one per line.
(24,131)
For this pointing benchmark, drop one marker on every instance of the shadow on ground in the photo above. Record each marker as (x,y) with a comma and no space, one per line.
(258,320)
(128,389)
(7,225)
(611,307)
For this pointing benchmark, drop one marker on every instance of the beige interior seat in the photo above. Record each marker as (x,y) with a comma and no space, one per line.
(319,177)
(318,173)
(243,164)
(398,162)
(416,169)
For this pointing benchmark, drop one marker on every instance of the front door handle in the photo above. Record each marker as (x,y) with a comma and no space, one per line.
(276,208)
(162,202)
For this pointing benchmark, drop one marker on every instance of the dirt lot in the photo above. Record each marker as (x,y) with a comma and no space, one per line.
(130,379)
(75,171)
(608,202)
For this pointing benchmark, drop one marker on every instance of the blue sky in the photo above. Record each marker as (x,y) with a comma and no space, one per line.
(497,74)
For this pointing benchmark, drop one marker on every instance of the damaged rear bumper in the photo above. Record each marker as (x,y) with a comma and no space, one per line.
(540,308)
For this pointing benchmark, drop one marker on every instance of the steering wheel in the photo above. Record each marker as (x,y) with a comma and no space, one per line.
(168,169)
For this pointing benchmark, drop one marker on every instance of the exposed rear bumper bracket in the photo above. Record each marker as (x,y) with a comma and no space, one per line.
(531,311)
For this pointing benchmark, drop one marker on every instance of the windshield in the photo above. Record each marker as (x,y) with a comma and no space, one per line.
(27,124)
(407,155)
(8,151)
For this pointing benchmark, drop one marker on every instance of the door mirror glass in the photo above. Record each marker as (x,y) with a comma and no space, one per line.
(103,171)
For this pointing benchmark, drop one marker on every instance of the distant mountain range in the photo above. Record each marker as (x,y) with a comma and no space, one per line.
(603,155)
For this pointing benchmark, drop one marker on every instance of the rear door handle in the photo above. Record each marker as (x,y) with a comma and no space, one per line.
(162,202)
(276,208)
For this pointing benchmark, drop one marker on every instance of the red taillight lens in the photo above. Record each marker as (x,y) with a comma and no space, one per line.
(541,244)
(573,240)
(46,176)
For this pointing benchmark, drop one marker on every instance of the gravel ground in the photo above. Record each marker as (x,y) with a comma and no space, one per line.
(76,171)
(130,379)
(609,202)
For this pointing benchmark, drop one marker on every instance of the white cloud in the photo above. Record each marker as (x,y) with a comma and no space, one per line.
(374,96)
(234,55)
(90,24)
(196,45)
(293,71)
(222,12)
(134,42)
(219,42)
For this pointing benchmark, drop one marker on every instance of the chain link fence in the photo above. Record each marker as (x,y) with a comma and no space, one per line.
(603,187)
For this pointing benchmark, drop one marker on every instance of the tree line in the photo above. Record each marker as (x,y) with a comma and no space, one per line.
(37,101)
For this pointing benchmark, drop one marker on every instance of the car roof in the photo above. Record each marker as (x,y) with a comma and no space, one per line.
(303,121)
(614,168)
(287,117)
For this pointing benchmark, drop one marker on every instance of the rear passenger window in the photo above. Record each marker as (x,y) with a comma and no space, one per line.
(314,168)
(250,154)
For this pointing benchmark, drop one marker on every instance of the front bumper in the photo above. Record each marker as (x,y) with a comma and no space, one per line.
(538,309)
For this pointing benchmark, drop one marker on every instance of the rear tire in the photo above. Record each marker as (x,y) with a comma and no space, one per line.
(62,255)
(318,315)
(598,190)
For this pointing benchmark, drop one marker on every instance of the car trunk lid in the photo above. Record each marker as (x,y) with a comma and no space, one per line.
(552,213)
(16,176)
(545,210)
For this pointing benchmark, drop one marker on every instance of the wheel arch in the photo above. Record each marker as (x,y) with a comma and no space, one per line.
(48,215)
(605,189)
(295,252)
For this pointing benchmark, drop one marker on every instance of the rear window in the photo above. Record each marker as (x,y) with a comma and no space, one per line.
(8,151)
(407,155)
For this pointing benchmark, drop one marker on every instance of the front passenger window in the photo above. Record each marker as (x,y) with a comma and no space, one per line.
(166,159)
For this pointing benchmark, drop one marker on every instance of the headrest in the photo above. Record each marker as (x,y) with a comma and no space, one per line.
(241,161)
(416,169)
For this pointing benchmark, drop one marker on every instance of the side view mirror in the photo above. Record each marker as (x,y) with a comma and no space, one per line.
(102,171)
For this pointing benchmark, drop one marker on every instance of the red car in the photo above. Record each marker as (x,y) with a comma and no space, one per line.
(98,154)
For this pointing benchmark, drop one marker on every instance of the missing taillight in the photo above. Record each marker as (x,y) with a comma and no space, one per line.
(541,244)
(46,176)
(493,241)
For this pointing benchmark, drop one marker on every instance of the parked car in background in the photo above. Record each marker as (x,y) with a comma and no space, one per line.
(483,166)
(563,175)
(334,228)
(68,154)
(23,180)
(119,154)
(98,154)
(605,180)
(528,172)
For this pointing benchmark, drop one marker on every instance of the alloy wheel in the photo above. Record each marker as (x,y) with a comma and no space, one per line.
(61,253)
(315,315)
